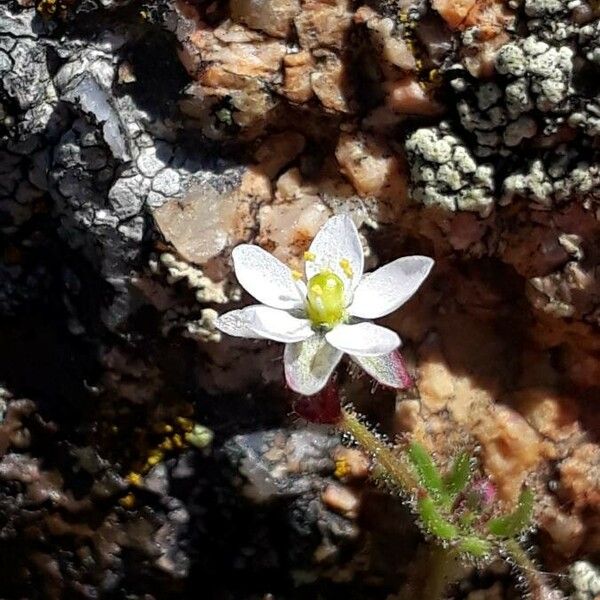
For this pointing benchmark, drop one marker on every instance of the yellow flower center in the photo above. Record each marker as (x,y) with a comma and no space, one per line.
(325,299)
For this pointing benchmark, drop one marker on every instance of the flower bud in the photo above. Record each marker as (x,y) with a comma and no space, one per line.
(323,407)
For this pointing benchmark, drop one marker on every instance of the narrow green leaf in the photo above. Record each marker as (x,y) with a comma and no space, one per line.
(433,521)
(475,546)
(512,524)
(428,473)
(460,474)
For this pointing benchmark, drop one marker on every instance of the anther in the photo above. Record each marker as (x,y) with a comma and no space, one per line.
(346,267)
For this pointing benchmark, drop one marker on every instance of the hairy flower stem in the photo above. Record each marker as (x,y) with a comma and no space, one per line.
(394,469)
(442,565)
(444,562)
(519,556)
(444,568)
(538,588)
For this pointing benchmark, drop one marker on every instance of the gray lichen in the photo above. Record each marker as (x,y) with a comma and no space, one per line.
(533,91)
(541,72)
(587,117)
(589,40)
(444,173)
(585,578)
(551,20)
(555,178)
(204,288)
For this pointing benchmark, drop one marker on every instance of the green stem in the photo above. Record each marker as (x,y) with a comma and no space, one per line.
(443,569)
(394,469)
(537,586)
(398,473)
(519,556)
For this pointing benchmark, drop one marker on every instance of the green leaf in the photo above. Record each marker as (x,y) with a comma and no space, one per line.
(512,524)
(458,478)
(475,546)
(428,473)
(433,521)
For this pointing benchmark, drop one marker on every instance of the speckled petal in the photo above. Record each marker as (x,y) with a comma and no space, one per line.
(309,364)
(363,339)
(264,322)
(387,369)
(337,247)
(389,287)
(265,277)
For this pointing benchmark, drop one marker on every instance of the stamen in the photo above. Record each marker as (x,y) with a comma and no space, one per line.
(296,275)
(347,268)
(309,256)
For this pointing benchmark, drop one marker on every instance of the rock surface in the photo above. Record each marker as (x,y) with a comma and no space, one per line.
(140,142)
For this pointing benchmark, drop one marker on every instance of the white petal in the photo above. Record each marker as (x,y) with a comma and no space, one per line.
(259,321)
(387,369)
(389,287)
(363,339)
(338,241)
(265,277)
(309,364)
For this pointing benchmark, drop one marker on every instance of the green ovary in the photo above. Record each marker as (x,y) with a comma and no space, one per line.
(325,300)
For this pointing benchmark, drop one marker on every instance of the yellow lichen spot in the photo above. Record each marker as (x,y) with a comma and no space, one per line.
(154,458)
(135,479)
(49,7)
(166,445)
(309,256)
(185,424)
(128,501)
(434,78)
(341,468)
(177,441)
(163,428)
(296,275)
(347,268)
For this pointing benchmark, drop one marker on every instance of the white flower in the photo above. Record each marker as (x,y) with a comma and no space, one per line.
(325,317)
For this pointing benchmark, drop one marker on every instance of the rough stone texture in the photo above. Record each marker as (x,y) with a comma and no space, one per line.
(467,131)
(93,143)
